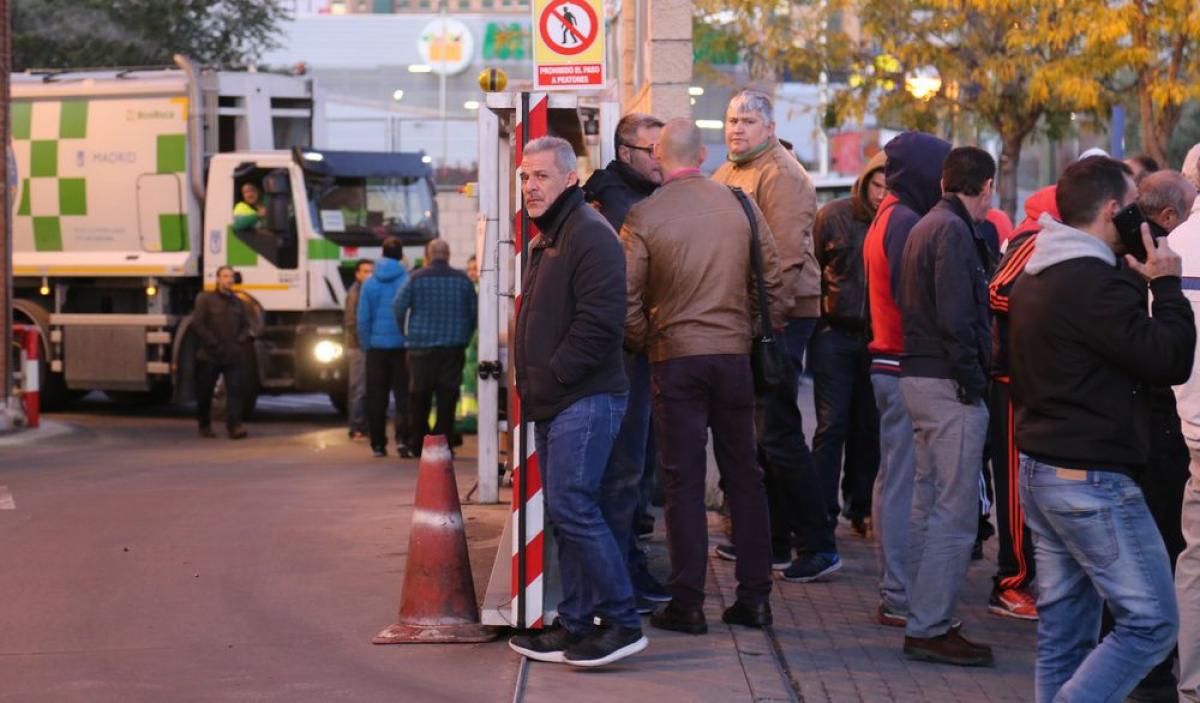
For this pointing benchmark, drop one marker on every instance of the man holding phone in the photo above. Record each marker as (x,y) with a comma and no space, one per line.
(1087,349)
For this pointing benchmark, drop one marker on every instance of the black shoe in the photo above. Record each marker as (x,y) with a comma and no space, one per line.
(238,432)
(643,605)
(680,618)
(545,645)
(779,562)
(405,451)
(741,613)
(605,644)
(950,648)
(379,452)
(207,432)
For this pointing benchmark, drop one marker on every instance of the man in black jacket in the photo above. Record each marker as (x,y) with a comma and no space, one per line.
(632,175)
(571,379)
(626,181)
(222,324)
(1085,353)
(942,295)
(842,393)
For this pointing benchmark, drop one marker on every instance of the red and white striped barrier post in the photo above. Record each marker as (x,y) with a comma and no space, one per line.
(30,369)
(528,564)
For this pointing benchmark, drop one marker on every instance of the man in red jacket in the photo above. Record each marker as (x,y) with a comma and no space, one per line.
(914,172)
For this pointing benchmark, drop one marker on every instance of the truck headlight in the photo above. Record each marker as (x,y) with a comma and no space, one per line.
(327,351)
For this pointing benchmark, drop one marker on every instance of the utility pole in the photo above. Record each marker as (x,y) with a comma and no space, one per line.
(6,254)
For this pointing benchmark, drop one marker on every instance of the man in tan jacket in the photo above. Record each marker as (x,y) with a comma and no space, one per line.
(692,309)
(760,165)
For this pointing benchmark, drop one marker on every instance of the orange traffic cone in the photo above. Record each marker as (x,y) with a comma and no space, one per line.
(437,604)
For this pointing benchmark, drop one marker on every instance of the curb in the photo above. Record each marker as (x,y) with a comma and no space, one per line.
(47,430)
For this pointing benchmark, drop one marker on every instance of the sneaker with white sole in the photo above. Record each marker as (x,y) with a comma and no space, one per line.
(605,644)
(812,566)
(779,562)
(1016,603)
(545,646)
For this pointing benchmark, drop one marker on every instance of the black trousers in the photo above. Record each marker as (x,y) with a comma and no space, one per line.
(1015,564)
(207,373)
(437,370)
(689,396)
(387,375)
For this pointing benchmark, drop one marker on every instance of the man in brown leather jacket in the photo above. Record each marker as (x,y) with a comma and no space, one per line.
(690,283)
(221,323)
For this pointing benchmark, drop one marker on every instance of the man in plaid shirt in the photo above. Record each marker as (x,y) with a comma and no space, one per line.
(436,310)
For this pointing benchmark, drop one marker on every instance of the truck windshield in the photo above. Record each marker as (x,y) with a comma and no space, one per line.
(362,212)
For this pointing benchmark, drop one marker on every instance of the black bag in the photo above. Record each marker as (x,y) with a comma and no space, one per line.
(768,359)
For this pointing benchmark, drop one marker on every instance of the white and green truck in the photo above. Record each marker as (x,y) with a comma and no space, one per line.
(123,212)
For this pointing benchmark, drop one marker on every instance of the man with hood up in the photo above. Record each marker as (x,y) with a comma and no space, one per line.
(845,404)
(913,173)
(1012,595)
(1088,350)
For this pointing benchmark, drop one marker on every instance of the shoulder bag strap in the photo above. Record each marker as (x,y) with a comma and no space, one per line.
(756,262)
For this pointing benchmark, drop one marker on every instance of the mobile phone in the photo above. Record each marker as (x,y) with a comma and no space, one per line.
(1129,225)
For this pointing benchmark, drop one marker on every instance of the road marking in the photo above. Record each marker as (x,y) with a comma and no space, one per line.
(6,499)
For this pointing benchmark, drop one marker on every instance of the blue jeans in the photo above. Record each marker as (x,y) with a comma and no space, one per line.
(796,334)
(1095,542)
(621,491)
(573,451)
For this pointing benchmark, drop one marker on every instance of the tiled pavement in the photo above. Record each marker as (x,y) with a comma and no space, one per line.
(837,652)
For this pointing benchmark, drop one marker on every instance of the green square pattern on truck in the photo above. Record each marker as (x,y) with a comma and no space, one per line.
(60,144)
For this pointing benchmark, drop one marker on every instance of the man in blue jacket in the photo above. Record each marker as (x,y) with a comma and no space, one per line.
(380,337)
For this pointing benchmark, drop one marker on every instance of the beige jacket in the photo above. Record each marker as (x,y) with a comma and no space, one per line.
(785,193)
(688,270)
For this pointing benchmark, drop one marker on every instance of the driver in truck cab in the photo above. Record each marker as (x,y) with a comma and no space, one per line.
(250,211)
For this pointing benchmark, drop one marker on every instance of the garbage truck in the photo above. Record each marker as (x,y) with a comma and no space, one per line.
(126,183)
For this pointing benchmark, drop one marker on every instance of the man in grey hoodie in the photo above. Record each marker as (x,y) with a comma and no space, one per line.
(1084,350)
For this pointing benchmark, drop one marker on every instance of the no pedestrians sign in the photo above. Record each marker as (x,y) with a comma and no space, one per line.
(568,44)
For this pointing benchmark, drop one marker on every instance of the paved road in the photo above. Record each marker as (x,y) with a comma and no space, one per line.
(142,563)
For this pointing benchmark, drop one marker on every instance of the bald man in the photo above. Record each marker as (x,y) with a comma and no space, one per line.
(691,309)
(436,309)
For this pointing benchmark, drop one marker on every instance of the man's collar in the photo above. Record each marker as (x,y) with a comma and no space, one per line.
(680,173)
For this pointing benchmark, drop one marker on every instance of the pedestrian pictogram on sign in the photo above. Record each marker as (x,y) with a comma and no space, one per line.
(568,48)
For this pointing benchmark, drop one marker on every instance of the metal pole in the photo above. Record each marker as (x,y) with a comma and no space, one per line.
(442,84)
(523,428)
(6,253)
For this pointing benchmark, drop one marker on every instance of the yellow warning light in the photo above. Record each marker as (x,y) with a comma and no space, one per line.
(493,80)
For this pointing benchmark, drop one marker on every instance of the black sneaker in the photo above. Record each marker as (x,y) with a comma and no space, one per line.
(648,587)
(812,566)
(546,645)
(643,605)
(779,562)
(680,618)
(605,644)
(378,452)
(741,613)
(405,451)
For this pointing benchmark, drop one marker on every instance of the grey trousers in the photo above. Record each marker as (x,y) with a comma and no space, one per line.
(1187,588)
(945,509)
(357,396)
(891,506)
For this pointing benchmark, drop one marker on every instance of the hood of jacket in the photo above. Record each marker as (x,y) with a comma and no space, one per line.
(388,270)
(858,194)
(914,169)
(617,174)
(1058,243)
(1040,203)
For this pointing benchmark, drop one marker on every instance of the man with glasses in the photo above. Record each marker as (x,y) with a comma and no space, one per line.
(628,179)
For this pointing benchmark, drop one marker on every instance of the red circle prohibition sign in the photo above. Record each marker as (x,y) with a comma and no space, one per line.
(584,41)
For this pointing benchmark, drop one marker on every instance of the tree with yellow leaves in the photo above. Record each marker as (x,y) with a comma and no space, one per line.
(1015,66)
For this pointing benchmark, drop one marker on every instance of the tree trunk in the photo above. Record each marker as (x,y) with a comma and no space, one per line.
(1006,182)
(1155,135)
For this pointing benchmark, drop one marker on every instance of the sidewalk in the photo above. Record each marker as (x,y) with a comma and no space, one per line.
(832,646)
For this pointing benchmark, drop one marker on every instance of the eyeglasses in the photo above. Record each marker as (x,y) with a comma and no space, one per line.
(647,149)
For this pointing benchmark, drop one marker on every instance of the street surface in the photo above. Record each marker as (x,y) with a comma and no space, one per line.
(142,563)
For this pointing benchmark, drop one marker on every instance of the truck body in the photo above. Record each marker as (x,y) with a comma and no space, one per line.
(124,211)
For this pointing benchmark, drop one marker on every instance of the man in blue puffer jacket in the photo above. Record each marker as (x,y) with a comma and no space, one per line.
(380,337)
